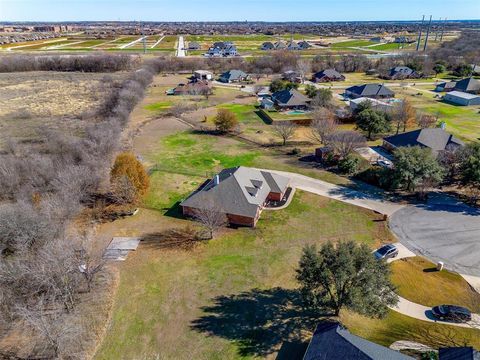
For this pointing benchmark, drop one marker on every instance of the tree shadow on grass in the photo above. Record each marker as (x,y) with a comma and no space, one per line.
(259,321)
(173,239)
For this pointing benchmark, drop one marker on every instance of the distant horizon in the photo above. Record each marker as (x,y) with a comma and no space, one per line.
(235,10)
(231,21)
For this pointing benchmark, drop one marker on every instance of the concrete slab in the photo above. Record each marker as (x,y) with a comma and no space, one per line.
(124,243)
(119,248)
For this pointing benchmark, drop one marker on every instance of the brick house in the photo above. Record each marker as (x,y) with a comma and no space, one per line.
(241,193)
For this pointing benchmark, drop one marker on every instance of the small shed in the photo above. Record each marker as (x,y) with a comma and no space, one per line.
(203,75)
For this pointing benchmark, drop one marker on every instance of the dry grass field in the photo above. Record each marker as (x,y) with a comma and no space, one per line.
(50,100)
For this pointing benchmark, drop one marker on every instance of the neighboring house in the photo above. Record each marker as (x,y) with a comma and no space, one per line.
(292,76)
(233,76)
(332,341)
(402,72)
(280,45)
(375,104)
(446,86)
(328,75)
(469,85)
(290,100)
(403,40)
(304,45)
(267,46)
(462,98)
(458,353)
(240,193)
(435,139)
(198,87)
(203,75)
(373,91)
(193,45)
(292,45)
(222,48)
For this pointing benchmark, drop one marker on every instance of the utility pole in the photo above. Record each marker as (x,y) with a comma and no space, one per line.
(144,40)
(437,28)
(428,32)
(420,34)
(443,28)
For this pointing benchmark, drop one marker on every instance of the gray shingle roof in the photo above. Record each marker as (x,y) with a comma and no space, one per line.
(290,97)
(458,353)
(371,90)
(331,73)
(332,341)
(233,75)
(468,85)
(238,191)
(401,71)
(436,139)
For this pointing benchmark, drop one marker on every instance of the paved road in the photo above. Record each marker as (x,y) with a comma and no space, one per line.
(444,229)
(181,47)
(372,201)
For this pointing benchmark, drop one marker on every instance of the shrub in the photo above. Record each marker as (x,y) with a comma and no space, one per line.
(225,121)
(127,165)
(349,165)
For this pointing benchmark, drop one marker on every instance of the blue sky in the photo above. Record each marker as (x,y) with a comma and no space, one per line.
(226,10)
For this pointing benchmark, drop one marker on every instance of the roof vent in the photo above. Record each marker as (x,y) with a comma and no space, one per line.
(216,180)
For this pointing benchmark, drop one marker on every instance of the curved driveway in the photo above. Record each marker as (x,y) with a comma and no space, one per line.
(444,229)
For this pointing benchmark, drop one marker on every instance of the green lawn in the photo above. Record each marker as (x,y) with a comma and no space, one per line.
(396,327)
(160,106)
(416,282)
(245,113)
(352,43)
(285,116)
(462,121)
(230,298)
(390,46)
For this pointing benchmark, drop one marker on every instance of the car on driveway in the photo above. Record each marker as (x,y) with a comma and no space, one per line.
(385,163)
(386,252)
(453,313)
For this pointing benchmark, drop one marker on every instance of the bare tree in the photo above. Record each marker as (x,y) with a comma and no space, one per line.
(323,125)
(304,67)
(285,130)
(211,218)
(123,191)
(403,115)
(426,121)
(54,335)
(345,142)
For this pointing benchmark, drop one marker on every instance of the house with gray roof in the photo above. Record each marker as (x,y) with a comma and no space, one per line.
(401,72)
(332,341)
(462,98)
(240,193)
(267,45)
(193,45)
(293,45)
(373,91)
(436,139)
(469,85)
(233,76)
(280,45)
(304,45)
(290,100)
(328,75)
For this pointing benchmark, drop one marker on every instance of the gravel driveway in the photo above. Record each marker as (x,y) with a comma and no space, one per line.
(442,230)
